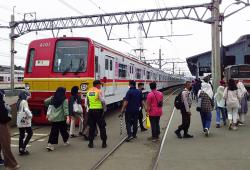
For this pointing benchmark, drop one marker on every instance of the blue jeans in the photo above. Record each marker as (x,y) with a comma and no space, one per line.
(206,118)
(223,112)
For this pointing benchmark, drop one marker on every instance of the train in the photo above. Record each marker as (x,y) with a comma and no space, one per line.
(239,72)
(78,61)
(5,79)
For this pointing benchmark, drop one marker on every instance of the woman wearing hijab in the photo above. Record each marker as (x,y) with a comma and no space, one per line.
(205,96)
(60,112)
(75,98)
(24,117)
(220,105)
(232,97)
(243,102)
(9,160)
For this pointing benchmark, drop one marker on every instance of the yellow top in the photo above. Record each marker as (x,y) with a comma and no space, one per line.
(93,97)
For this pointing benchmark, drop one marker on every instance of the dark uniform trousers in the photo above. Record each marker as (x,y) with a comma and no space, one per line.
(131,120)
(95,116)
(185,121)
(140,117)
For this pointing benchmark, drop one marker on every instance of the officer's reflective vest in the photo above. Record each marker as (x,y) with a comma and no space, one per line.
(93,98)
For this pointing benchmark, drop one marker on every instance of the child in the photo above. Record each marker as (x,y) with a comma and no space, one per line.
(24,117)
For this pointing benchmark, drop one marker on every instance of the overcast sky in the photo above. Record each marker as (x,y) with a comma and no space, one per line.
(179,47)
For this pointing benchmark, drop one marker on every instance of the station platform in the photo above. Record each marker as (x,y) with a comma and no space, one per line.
(222,150)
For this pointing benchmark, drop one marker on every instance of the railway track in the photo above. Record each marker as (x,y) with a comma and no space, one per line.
(170,92)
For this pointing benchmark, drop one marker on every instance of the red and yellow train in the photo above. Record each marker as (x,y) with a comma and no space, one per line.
(71,61)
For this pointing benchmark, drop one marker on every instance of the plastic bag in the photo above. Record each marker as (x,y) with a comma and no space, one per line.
(148,125)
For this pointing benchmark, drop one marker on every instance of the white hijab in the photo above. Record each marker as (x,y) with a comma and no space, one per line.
(241,88)
(206,87)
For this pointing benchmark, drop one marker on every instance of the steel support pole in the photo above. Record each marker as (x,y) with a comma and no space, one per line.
(12,52)
(216,60)
(160,59)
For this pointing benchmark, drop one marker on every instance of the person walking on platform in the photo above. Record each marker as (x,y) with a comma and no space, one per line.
(141,88)
(205,96)
(154,109)
(232,97)
(5,141)
(243,103)
(96,105)
(24,117)
(59,114)
(75,100)
(132,103)
(185,111)
(220,105)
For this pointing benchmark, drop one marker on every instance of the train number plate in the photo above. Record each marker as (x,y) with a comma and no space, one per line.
(42,63)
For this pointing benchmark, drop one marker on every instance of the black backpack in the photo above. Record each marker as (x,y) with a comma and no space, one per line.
(178,102)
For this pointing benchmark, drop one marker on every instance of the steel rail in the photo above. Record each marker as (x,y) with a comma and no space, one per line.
(163,140)
(104,158)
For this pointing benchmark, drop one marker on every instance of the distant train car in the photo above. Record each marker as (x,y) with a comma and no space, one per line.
(239,72)
(69,62)
(5,79)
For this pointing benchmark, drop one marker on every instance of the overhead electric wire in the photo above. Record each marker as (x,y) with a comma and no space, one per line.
(71,7)
(8,9)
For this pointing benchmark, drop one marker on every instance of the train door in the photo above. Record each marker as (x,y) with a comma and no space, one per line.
(109,74)
(97,68)
(131,72)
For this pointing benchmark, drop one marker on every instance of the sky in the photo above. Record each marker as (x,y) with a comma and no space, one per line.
(179,47)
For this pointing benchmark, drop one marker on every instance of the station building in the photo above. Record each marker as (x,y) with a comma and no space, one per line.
(233,54)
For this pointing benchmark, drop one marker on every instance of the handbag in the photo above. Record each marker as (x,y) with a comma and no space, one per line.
(148,125)
(50,113)
(198,108)
(77,108)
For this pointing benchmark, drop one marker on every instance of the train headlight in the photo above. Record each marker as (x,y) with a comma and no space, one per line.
(27,86)
(84,86)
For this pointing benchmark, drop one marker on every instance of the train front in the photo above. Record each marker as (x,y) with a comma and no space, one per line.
(53,63)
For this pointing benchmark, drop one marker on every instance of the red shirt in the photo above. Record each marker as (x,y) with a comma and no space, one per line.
(152,99)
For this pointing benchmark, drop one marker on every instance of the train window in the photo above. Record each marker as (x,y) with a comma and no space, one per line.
(106,64)
(148,75)
(1,78)
(247,59)
(96,64)
(110,65)
(19,79)
(71,56)
(138,73)
(31,60)
(122,71)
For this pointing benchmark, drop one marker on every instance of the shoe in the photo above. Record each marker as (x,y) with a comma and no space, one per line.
(154,140)
(143,129)
(66,143)
(86,137)
(15,168)
(72,136)
(23,152)
(91,145)
(1,162)
(240,123)
(187,136)
(206,132)
(50,147)
(230,126)
(80,134)
(217,125)
(225,123)
(129,138)
(134,136)
(234,127)
(104,144)
(178,134)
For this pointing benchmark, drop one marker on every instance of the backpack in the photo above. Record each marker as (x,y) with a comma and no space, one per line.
(178,102)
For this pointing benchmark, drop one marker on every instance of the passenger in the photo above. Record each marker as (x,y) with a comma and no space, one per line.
(154,109)
(60,114)
(185,112)
(74,116)
(243,103)
(232,97)
(205,95)
(9,160)
(132,103)
(96,105)
(24,117)
(220,105)
(141,88)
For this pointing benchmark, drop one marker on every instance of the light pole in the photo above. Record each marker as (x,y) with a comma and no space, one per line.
(12,51)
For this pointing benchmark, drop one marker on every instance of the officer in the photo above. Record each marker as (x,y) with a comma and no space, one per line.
(96,105)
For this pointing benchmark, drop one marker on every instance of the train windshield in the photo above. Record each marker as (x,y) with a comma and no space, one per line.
(71,56)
